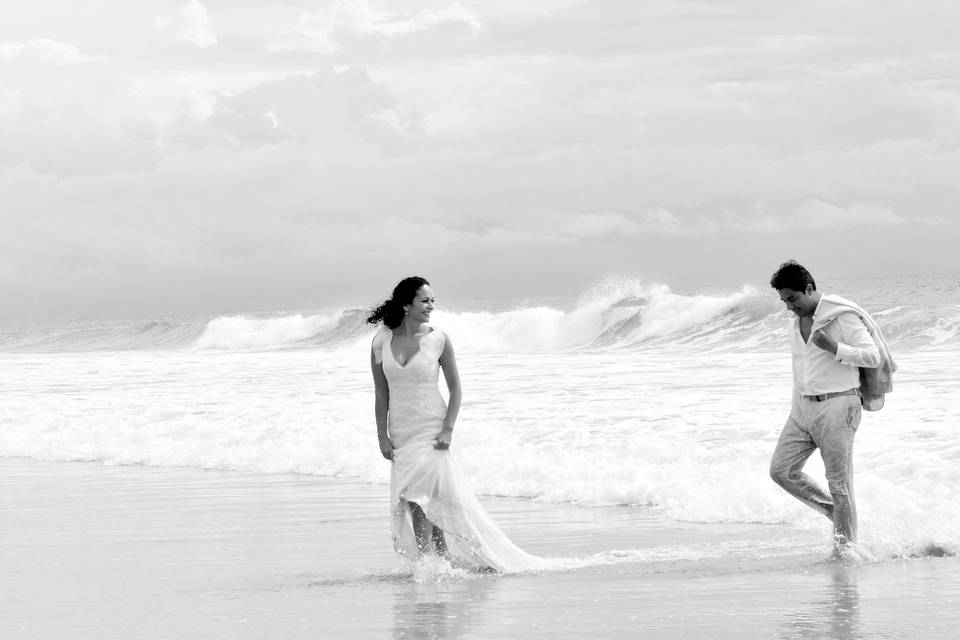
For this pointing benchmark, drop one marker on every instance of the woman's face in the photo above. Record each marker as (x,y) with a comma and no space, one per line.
(421,306)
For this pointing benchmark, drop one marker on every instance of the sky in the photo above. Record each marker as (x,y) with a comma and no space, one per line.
(170,157)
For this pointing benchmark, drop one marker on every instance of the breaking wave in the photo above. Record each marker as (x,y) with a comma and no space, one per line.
(616,315)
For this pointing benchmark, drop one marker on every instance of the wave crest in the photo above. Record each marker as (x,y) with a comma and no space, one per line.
(242,332)
(616,314)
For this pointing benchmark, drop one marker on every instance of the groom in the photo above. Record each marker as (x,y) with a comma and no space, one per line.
(829,342)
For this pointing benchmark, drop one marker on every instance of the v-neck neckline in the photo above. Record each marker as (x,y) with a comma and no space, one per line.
(813,323)
(806,342)
(415,353)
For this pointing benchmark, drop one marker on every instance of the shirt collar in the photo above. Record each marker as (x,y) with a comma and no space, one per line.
(817,310)
(796,319)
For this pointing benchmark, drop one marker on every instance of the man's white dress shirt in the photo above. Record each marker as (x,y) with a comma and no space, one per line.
(817,371)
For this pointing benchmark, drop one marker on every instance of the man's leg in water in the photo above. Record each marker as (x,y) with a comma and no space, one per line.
(836,428)
(793,449)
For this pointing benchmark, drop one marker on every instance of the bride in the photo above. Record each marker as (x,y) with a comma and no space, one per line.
(432,506)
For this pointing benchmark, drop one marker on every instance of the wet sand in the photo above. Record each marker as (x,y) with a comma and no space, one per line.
(88,551)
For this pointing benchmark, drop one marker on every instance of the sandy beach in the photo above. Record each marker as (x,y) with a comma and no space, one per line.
(90,551)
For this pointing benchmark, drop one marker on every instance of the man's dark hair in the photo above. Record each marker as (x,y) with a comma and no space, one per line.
(792,275)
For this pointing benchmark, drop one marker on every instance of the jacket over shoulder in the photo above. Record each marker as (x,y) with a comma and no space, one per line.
(874,382)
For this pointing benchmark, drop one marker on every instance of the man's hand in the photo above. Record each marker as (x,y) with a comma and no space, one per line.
(825,342)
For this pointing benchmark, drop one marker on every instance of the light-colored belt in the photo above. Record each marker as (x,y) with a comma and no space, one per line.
(832,394)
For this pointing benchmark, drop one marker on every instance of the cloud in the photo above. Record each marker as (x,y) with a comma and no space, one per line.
(818,215)
(46,50)
(343,19)
(338,112)
(657,221)
(11,102)
(341,114)
(759,218)
(190,24)
(585,136)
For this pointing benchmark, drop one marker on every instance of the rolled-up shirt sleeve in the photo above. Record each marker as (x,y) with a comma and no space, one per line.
(857,348)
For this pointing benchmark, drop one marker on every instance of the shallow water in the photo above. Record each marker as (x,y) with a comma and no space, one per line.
(138,552)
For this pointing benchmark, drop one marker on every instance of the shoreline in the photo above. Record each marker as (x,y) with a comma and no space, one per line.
(139,552)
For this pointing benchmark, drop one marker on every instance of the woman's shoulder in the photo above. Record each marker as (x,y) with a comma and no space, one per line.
(380,338)
(434,332)
(383,332)
(437,337)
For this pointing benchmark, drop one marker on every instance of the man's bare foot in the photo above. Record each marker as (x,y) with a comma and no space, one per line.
(848,551)
(842,549)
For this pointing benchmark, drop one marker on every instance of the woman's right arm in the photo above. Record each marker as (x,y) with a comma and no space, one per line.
(381,406)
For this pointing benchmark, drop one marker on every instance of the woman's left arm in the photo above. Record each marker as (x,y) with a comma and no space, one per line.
(448,362)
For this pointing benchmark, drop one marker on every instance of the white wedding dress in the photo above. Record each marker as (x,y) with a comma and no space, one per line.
(430,477)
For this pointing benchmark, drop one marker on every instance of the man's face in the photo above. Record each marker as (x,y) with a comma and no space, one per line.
(803,303)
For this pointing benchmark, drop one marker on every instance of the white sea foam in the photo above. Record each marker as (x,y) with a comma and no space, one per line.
(635,395)
(434,569)
(685,433)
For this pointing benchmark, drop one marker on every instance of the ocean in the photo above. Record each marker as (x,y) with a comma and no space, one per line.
(628,395)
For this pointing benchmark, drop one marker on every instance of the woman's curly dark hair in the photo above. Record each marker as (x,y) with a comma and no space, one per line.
(391,312)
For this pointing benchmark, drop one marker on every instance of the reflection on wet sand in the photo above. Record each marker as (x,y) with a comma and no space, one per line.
(836,615)
(444,609)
